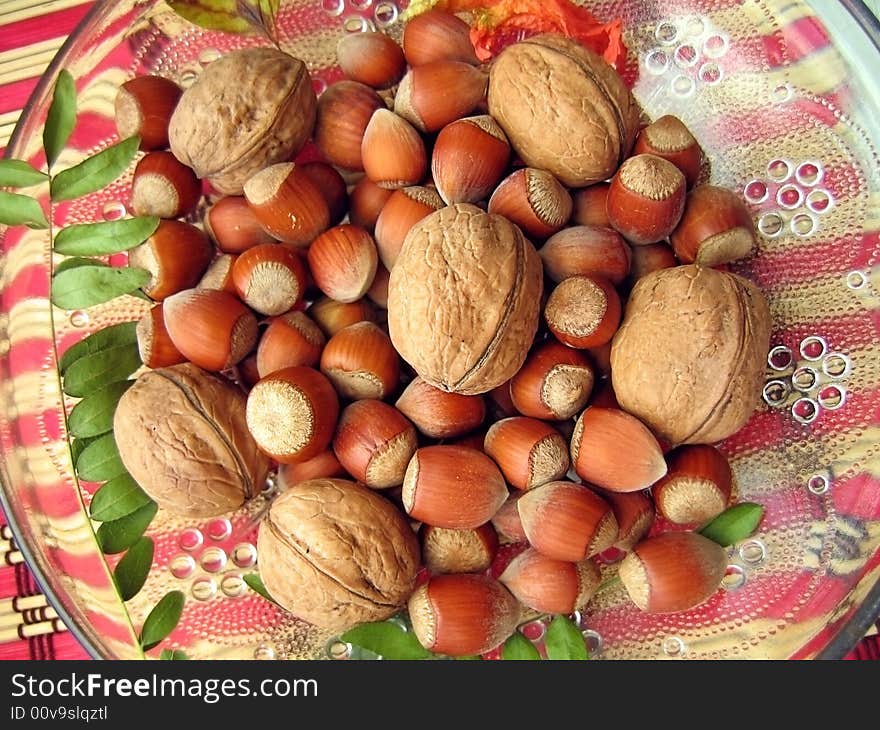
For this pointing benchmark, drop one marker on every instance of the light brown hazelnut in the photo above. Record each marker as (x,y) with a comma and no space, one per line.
(181,433)
(467,332)
(335,554)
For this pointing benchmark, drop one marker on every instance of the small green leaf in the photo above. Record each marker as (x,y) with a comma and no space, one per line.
(734,524)
(518,647)
(61,118)
(387,639)
(20,210)
(120,496)
(77,446)
(94,172)
(173,655)
(105,238)
(564,640)
(99,460)
(212,14)
(75,263)
(19,174)
(93,415)
(131,572)
(121,534)
(255,582)
(92,372)
(162,619)
(116,335)
(85,286)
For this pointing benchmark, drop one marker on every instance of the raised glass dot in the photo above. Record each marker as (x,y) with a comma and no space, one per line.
(113,211)
(203,589)
(683,86)
(188,78)
(191,539)
(533,630)
(837,365)
(711,73)
(813,347)
(753,552)
(809,173)
(734,577)
(673,646)
(385,13)
(208,56)
(333,8)
(686,56)
(856,280)
(264,653)
(779,358)
(805,410)
(338,650)
(803,224)
(832,397)
(218,529)
(244,555)
(182,566)
(817,484)
(232,585)
(716,45)
(694,26)
(789,197)
(593,640)
(360,4)
(756,191)
(657,62)
(804,378)
(819,201)
(781,93)
(771,224)
(213,559)
(79,318)
(356,24)
(779,170)
(775,392)
(666,32)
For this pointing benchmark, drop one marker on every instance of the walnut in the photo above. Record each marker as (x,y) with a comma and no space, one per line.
(563,108)
(182,435)
(248,110)
(689,358)
(336,554)
(464,298)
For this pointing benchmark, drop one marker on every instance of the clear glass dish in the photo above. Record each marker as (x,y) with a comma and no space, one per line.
(781,96)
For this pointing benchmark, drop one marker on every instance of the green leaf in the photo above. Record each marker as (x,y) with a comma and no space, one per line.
(131,572)
(21,210)
(105,238)
(121,534)
(77,446)
(19,174)
(85,286)
(92,372)
(734,524)
(387,639)
(61,118)
(162,619)
(120,496)
(564,640)
(173,655)
(255,582)
(116,335)
(212,14)
(93,415)
(94,172)
(75,263)
(99,460)
(518,647)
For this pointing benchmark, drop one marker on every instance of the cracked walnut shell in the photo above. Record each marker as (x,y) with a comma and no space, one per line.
(250,109)
(181,433)
(336,554)
(563,108)
(689,358)
(464,299)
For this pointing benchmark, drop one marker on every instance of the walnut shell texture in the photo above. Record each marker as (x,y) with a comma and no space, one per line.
(181,433)
(248,110)
(464,299)
(689,358)
(336,554)
(564,109)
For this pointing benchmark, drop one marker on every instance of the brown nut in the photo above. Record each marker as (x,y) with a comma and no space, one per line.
(290,340)
(335,554)
(154,343)
(438,414)
(366,202)
(344,111)
(437,35)
(589,206)
(564,109)
(343,262)
(682,395)
(374,442)
(445,550)
(164,187)
(144,106)
(554,383)
(361,362)
(528,451)
(176,255)
(586,250)
(669,138)
(716,228)
(507,520)
(332,186)
(378,291)
(696,487)
(652,257)
(270,278)
(434,94)
(469,332)
(534,200)
(181,434)
(371,58)
(583,311)
(219,274)
(469,158)
(401,212)
(233,226)
(323,466)
(332,316)
(256,105)
(393,152)
(634,512)
(548,585)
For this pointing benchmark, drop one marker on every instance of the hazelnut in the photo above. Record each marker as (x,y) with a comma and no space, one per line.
(669,138)
(219,274)
(586,250)
(534,200)
(290,340)
(361,362)
(233,226)
(144,106)
(366,202)
(439,414)
(634,512)
(332,316)
(256,105)
(589,206)
(371,58)
(343,262)
(401,212)
(583,311)
(434,94)
(269,278)
(176,255)
(332,187)
(393,152)
(344,111)
(154,343)
(467,332)
(696,487)
(445,550)
(548,585)
(335,554)
(716,228)
(469,158)
(437,35)
(528,451)
(164,187)
(181,434)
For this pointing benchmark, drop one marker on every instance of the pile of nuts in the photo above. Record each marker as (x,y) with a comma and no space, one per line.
(496,344)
